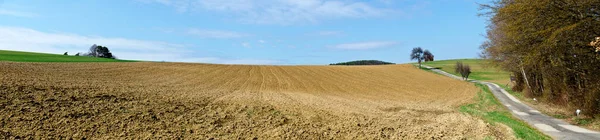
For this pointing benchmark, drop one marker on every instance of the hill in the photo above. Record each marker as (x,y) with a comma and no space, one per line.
(363,62)
(203,101)
(480,70)
(18,56)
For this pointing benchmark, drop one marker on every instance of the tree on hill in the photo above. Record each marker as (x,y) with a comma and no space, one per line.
(100,51)
(66,53)
(421,55)
(364,62)
(417,54)
(428,56)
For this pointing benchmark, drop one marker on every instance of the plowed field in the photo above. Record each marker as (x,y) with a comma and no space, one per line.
(179,100)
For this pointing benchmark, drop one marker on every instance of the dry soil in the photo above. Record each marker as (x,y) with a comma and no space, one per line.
(145,100)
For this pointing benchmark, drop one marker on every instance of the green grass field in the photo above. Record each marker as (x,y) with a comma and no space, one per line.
(18,56)
(480,71)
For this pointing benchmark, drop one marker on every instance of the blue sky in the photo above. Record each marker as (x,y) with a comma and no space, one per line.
(280,32)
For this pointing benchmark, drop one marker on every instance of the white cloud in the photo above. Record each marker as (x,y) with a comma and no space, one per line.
(364,45)
(280,11)
(16,38)
(261,41)
(17,13)
(246,44)
(215,33)
(25,39)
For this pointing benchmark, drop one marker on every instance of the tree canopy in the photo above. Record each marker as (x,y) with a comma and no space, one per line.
(100,51)
(427,56)
(545,43)
(421,55)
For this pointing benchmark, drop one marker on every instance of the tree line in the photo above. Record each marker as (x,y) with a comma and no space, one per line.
(546,45)
(363,62)
(97,51)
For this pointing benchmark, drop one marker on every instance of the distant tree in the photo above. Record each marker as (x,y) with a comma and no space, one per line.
(466,71)
(428,56)
(77,54)
(100,51)
(364,62)
(463,69)
(66,53)
(93,51)
(417,54)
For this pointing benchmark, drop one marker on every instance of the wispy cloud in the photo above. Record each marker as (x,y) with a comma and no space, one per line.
(280,11)
(219,34)
(246,44)
(329,33)
(25,39)
(365,45)
(17,38)
(17,13)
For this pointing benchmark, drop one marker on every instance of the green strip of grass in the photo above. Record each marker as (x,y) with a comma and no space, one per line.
(17,56)
(491,110)
(426,69)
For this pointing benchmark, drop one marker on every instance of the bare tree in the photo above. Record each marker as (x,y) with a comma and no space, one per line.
(466,71)
(417,54)
(463,69)
(93,51)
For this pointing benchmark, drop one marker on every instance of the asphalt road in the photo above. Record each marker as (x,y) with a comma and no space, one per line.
(557,129)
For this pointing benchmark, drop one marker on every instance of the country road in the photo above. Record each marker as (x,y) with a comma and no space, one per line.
(557,129)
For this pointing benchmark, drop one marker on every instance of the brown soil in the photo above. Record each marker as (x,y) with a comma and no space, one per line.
(202,101)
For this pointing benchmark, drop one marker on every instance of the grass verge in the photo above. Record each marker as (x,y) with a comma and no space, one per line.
(559,112)
(17,56)
(426,69)
(491,110)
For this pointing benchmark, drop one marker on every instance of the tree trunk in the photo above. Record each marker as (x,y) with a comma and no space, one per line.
(525,76)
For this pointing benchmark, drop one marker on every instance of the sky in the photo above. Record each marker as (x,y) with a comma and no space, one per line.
(274,32)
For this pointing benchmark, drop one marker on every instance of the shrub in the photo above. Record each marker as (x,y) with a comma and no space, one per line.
(463,69)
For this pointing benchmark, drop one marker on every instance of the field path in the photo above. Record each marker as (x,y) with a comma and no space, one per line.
(556,128)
